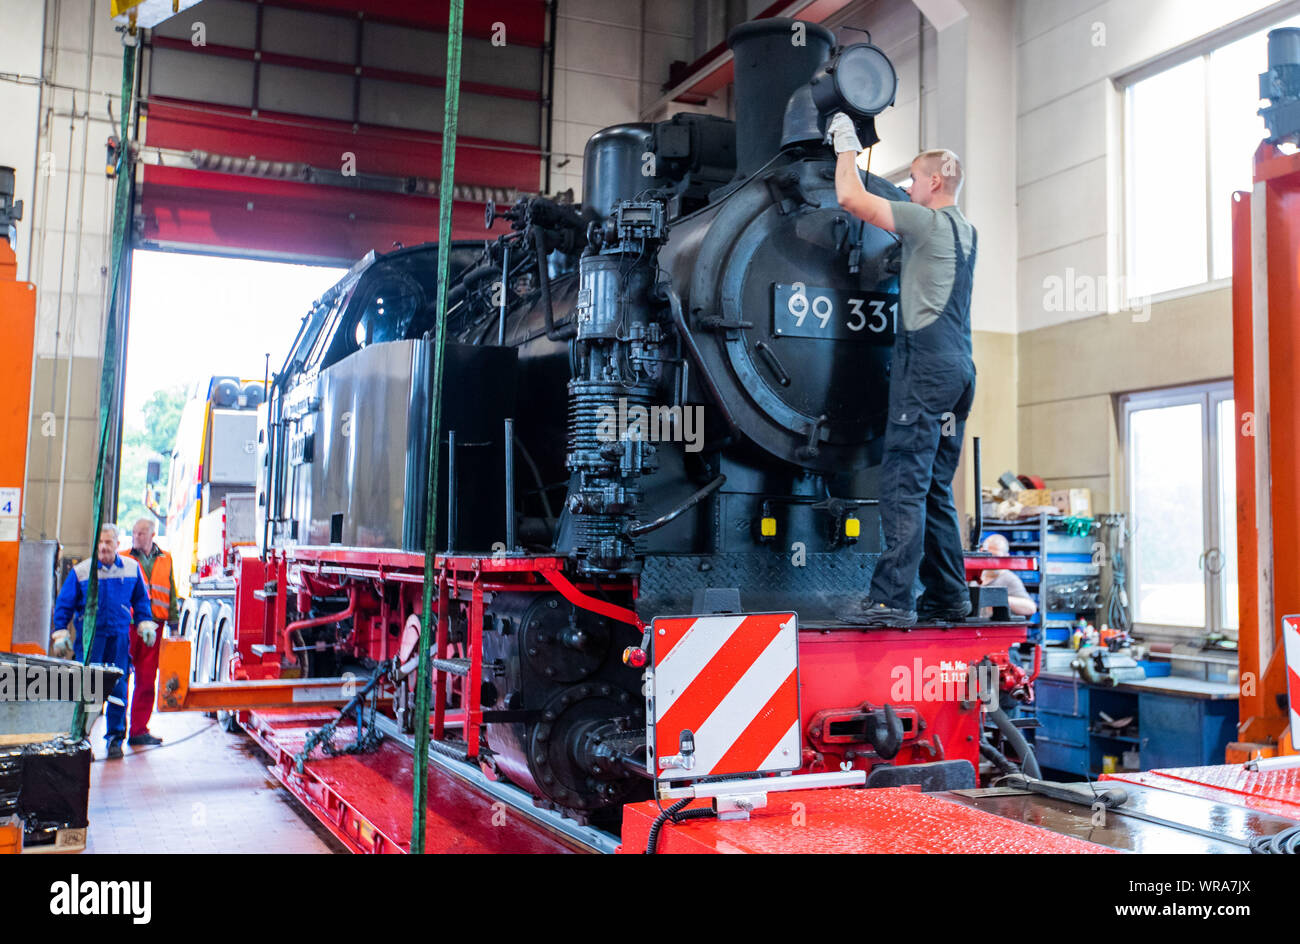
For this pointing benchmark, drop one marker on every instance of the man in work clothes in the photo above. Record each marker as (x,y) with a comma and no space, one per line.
(932,386)
(123,603)
(156,566)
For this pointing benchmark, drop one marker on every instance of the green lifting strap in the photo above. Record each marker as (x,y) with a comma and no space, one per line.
(450,118)
(108,379)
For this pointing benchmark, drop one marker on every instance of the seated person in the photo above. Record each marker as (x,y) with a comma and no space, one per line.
(1018,598)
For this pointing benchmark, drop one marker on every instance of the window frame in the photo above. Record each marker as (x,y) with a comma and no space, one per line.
(1202,48)
(1209,396)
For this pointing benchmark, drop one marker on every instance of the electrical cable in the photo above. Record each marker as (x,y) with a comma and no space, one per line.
(1116,538)
(1287,842)
(677,813)
(158,747)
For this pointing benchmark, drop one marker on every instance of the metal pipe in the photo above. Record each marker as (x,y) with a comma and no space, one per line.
(640,529)
(509,444)
(979,494)
(544,281)
(679,319)
(317,621)
(550,93)
(505,275)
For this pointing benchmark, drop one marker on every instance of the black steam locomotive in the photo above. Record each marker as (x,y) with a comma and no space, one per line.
(694,360)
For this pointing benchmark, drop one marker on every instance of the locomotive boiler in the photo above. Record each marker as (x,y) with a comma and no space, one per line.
(666,397)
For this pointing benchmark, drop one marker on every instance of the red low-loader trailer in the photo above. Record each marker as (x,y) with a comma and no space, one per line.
(365,798)
(846,676)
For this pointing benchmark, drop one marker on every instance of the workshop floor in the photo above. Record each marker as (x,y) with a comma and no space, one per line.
(202,790)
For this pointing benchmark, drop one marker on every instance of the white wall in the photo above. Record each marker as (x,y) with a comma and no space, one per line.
(60,166)
(24,26)
(612,56)
(967,104)
(1070,163)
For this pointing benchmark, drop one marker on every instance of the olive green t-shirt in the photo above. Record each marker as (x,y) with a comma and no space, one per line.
(929,259)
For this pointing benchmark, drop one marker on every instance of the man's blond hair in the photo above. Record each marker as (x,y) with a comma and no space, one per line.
(946,164)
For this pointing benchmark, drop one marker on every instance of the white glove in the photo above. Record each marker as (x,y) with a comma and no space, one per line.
(841,134)
(148,631)
(61,645)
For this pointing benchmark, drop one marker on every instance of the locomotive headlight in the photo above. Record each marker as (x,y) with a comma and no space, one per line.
(858,80)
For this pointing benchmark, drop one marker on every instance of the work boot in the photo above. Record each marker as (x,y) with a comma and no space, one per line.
(950,613)
(868,613)
(144,740)
(115,749)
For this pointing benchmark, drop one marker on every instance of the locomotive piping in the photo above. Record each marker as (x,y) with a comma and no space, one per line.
(679,319)
(544,280)
(637,530)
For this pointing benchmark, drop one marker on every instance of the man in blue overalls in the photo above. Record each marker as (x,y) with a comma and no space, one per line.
(931,388)
(123,603)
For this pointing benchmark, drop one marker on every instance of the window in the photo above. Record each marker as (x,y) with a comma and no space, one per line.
(1181,461)
(1190,133)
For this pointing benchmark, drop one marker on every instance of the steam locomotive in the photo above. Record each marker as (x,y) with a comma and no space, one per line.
(666,398)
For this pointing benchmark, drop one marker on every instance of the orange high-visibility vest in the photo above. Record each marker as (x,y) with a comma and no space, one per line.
(160,586)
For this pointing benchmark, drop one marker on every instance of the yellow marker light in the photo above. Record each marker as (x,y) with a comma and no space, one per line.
(852,527)
(767,527)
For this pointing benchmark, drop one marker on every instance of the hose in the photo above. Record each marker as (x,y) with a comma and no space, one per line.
(1111,797)
(640,529)
(678,813)
(1287,842)
(999,759)
(1017,740)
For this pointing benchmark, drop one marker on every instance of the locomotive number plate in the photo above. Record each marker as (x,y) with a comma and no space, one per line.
(832,314)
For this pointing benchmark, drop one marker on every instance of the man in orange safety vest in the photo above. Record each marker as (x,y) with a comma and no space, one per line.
(156,566)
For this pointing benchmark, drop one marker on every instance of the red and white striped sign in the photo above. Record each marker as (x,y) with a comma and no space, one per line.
(732,683)
(1291,642)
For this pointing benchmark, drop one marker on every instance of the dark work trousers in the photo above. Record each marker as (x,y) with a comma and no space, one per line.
(112,648)
(932,386)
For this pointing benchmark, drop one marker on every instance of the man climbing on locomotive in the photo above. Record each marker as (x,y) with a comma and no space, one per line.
(932,386)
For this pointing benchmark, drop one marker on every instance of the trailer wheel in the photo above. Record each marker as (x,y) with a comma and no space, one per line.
(225,651)
(205,656)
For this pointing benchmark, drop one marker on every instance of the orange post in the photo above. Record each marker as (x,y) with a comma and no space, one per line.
(18,329)
(1266,381)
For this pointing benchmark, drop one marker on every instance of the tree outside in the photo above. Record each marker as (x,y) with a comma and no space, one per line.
(152,432)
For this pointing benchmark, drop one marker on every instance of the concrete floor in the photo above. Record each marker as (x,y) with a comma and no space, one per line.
(202,790)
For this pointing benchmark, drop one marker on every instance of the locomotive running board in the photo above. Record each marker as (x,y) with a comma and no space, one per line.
(589,837)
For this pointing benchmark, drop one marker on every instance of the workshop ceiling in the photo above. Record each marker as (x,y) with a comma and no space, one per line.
(314,129)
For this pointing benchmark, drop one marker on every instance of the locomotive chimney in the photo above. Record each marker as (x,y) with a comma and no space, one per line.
(774,58)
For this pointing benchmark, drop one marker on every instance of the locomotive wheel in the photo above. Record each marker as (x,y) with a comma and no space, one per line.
(551,756)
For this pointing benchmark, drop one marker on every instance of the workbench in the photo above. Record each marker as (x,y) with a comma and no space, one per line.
(1177,722)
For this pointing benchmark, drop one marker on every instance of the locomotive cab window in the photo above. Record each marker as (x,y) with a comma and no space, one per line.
(380,309)
(386,311)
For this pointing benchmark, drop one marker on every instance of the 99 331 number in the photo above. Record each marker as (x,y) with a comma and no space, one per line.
(809,311)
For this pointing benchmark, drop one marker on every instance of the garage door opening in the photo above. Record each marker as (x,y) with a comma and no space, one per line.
(201,330)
